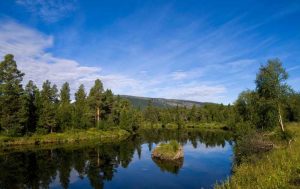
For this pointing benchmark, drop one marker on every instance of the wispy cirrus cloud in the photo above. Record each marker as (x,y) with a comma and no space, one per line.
(149,53)
(49,11)
(178,75)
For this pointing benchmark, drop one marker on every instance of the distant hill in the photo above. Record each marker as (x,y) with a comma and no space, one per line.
(142,102)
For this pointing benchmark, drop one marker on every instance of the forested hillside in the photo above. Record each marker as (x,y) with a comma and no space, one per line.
(142,102)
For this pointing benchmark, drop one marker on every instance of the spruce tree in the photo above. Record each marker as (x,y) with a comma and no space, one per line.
(47,119)
(65,108)
(10,96)
(107,103)
(81,114)
(30,107)
(95,100)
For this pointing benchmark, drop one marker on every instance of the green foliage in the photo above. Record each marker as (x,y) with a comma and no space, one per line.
(11,96)
(129,120)
(293,107)
(266,107)
(168,151)
(64,113)
(30,100)
(278,168)
(70,136)
(272,90)
(81,110)
(107,104)
(286,135)
(95,100)
(174,144)
(49,101)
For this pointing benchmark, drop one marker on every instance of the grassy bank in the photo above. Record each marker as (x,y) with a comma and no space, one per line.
(66,137)
(168,151)
(212,125)
(278,168)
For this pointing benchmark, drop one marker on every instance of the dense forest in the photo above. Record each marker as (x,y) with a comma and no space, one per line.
(28,109)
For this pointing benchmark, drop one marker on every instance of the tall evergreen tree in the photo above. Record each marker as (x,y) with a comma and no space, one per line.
(81,118)
(95,100)
(47,119)
(30,107)
(10,95)
(107,103)
(65,108)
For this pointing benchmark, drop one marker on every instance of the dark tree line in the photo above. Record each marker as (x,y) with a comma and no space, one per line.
(28,109)
(182,116)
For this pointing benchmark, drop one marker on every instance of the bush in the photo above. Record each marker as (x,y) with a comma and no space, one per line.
(174,144)
(286,135)
(243,128)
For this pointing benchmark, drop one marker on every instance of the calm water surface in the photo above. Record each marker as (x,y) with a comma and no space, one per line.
(128,164)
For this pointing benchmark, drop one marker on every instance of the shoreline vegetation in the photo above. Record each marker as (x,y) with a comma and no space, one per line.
(68,137)
(92,134)
(275,168)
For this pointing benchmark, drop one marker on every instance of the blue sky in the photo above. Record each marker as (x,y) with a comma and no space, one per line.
(184,49)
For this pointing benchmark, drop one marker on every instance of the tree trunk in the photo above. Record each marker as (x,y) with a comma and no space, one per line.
(280,119)
(98,114)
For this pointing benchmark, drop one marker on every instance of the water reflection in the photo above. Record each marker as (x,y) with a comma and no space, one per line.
(96,166)
(169,166)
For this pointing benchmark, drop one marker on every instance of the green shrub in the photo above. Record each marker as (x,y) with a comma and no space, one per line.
(174,144)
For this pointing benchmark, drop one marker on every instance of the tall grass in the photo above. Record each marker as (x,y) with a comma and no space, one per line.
(168,151)
(279,168)
(66,137)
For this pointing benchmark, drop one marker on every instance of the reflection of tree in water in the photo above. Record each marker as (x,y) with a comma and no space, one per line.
(169,166)
(37,169)
(209,138)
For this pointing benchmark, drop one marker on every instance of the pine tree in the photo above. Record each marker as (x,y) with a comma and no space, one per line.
(80,115)
(10,96)
(95,100)
(65,108)
(47,119)
(107,103)
(30,107)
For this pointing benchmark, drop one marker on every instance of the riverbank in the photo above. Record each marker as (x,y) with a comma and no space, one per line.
(75,136)
(188,125)
(278,168)
(90,135)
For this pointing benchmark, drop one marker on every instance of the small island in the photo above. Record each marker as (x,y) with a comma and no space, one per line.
(168,151)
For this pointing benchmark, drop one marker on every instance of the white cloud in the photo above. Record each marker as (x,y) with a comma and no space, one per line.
(178,75)
(30,49)
(48,10)
(20,40)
